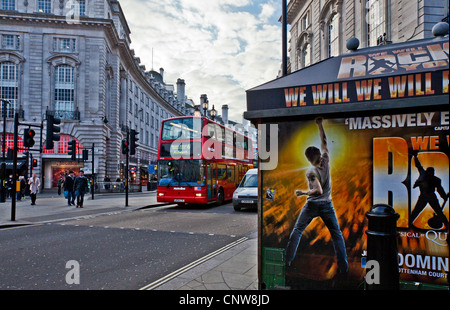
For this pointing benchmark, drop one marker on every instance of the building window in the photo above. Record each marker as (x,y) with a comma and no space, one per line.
(376,21)
(9,5)
(64,89)
(10,41)
(79,7)
(44,6)
(306,55)
(9,85)
(305,21)
(333,36)
(64,45)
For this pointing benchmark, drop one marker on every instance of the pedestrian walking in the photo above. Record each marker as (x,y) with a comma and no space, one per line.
(61,183)
(21,192)
(34,188)
(69,190)
(81,187)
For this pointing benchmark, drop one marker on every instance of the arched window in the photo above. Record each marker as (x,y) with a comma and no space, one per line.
(64,89)
(304,44)
(333,36)
(331,28)
(306,55)
(9,85)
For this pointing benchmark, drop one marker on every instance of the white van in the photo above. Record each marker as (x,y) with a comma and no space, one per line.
(246,194)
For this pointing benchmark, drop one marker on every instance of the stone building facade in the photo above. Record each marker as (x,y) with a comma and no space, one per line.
(72,59)
(320,28)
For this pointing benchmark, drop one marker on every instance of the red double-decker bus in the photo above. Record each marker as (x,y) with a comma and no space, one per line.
(200,161)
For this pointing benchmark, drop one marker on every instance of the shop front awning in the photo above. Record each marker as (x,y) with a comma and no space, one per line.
(376,78)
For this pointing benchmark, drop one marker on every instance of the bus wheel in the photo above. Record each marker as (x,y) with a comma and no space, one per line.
(220,197)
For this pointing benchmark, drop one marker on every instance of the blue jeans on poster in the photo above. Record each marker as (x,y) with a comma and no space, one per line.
(325,210)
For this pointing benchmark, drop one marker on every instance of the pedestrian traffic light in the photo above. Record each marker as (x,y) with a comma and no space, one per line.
(28,137)
(34,162)
(73,149)
(51,131)
(133,139)
(124,146)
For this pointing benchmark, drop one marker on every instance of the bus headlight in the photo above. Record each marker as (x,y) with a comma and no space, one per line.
(160,194)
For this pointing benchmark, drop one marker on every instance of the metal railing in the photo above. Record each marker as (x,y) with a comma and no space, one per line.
(66,115)
(115,187)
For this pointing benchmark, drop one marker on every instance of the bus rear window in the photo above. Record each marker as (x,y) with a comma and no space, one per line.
(183,128)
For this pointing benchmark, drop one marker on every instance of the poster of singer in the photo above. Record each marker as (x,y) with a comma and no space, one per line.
(329,174)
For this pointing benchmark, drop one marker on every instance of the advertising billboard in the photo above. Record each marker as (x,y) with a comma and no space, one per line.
(332,171)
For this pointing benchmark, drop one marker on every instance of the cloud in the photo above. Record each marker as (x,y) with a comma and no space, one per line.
(219,47)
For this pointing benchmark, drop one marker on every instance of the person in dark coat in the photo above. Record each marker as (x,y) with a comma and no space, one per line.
(81,187)
(69,188)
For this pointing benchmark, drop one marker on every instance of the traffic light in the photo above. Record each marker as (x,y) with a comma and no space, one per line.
(85,155)
(125,146)
(51,131)
(73,149)
(133,139)
(34,162)
(28,137)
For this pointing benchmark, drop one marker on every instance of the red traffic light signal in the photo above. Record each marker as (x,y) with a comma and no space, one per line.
(34,162)
(125,146)
(28,137)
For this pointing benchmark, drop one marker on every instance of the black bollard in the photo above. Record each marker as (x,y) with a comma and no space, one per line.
(382,246)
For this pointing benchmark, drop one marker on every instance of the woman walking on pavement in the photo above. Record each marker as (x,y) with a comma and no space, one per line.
(34,188)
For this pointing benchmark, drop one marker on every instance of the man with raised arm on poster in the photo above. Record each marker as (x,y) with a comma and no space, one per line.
(318,203)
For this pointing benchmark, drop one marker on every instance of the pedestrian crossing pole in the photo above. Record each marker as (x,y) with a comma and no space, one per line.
(93,177)
(126,170)
(15,148)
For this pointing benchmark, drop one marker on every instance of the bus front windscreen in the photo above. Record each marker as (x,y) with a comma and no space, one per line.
(182,128)
(184,172)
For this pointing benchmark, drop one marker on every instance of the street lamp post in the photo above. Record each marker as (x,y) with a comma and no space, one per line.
(205,106)
(213,113)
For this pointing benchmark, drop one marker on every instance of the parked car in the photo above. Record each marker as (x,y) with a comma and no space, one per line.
(246,194)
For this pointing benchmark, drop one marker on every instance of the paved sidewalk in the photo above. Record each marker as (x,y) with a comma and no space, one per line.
(50,206)
(236,268)
(233,267)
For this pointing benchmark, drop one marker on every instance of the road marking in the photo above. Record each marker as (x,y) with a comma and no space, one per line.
(190,266)
(20,226)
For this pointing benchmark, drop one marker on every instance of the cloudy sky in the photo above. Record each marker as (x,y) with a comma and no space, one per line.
(219,47)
